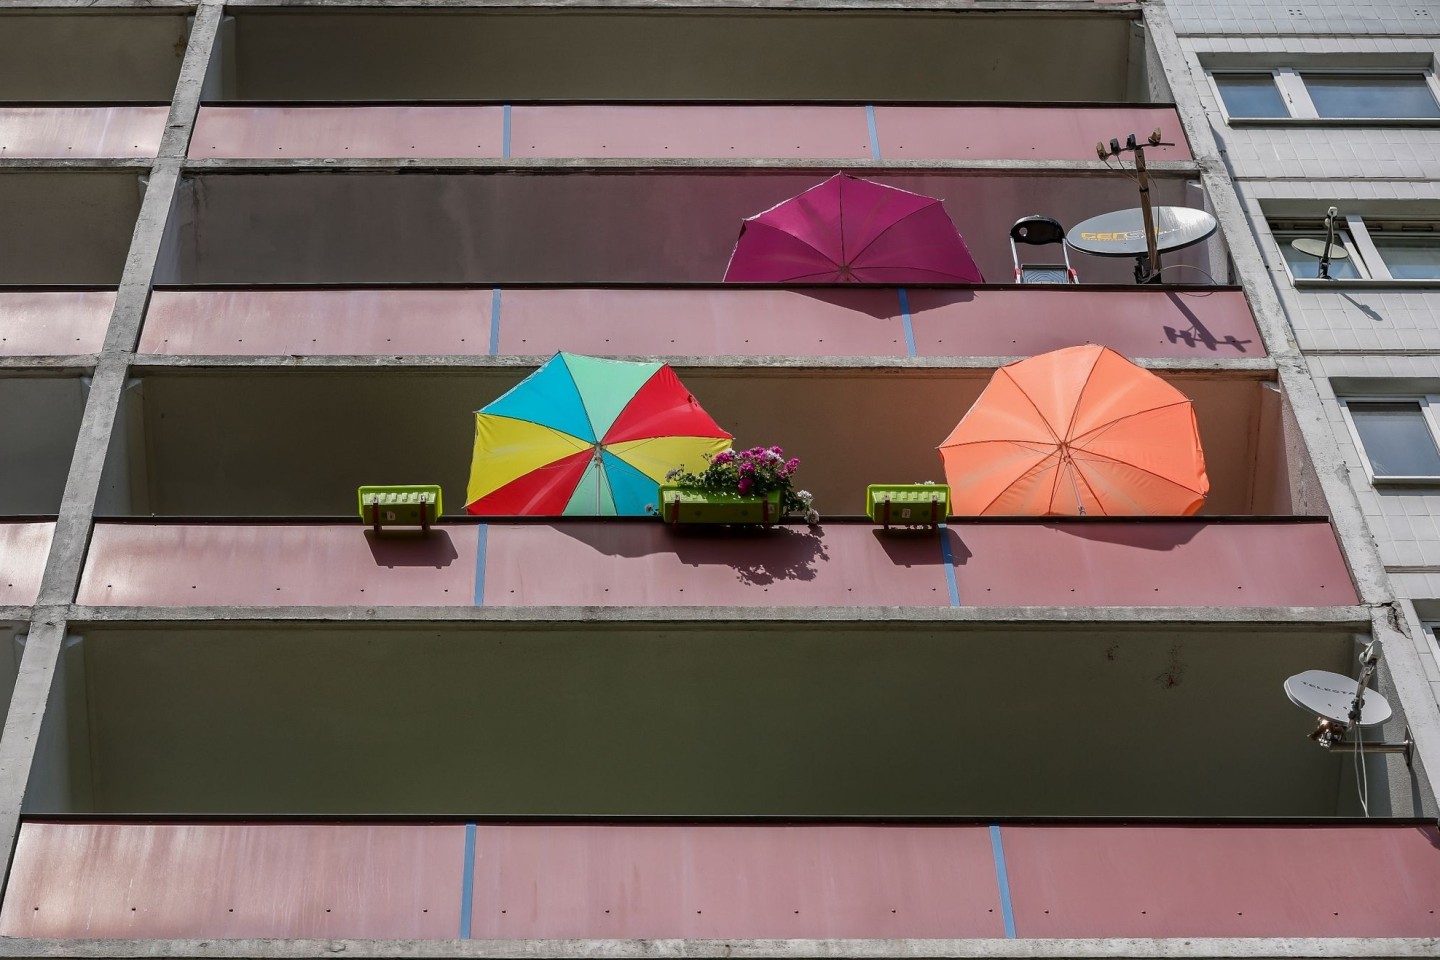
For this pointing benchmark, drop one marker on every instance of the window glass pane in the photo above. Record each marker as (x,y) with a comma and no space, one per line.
(1305,267)
(1250,95)
(1409,258)
(1374,95)
(1396,438)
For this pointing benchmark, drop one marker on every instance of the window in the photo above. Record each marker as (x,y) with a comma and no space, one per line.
(1288,94)
(1373,248)
(1251,95)
(1397,437)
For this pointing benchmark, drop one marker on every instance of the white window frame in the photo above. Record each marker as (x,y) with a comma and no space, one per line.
(1429,409)
(1302,109)
(1358,239)
(1344,237)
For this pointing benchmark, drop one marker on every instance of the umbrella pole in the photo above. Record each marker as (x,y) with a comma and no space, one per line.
(1065,461)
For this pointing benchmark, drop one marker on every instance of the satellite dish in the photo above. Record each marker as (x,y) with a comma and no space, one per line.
(1316,248)
(1330,694)
(1122,232)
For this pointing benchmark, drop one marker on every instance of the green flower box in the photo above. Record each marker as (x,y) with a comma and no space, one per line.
(907,504)
(415,505)
(689,505)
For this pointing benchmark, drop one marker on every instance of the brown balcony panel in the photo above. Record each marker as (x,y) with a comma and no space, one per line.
(81,132)
(703,322)
(1184,562)
(53,322)
(232,879)
(24,545)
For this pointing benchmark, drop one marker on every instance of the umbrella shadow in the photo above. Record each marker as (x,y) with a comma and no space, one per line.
(759,556)
(412,549)
(1145,535)
(933,299)
(879,304)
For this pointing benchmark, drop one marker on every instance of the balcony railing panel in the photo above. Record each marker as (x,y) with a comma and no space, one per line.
(473,132)
(177,565)
(1025,133)
(238,880)
(24,547)
(53,322)
(1184,562)
(1216,881)
(1175,563)
(697,322)
(678,131)
(81,132)
(234,879)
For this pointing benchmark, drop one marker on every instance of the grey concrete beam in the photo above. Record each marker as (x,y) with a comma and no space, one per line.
(30,163)
(1345,618)
(72,526)
(1357,543)
(1173,169)
(50,366)
(1196,947)
(1246,368)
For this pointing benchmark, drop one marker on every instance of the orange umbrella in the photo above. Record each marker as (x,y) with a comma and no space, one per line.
(1076,431)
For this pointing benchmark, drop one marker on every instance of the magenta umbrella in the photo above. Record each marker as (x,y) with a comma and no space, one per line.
(848,230)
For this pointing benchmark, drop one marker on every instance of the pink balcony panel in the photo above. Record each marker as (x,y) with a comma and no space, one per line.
(24,547)
(1149,563)
(359,132)
(174,565)
(47,133)
(696,322)
(1215,881)
(700,323)
(706,132)
(1021,133)
(235,880)
(723,882)
(318,322)
(621,564)
(1214,324)
(53,322)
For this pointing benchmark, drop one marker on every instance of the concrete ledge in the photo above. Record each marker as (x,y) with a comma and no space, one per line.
(1137,618)
(1094,168)
(725,949)
(1257,368)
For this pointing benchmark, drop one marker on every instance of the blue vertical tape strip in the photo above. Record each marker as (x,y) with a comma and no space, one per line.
(505,135)
(467,883)
(494,321)
(949,566)
(1002,878)
(874,131)
(905,319)
(481,537)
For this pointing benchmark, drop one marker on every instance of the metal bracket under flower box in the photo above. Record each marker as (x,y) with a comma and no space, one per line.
(408,505)
(908,504)
(688,505)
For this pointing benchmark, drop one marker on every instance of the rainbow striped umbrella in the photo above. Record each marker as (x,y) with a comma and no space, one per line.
(584,436)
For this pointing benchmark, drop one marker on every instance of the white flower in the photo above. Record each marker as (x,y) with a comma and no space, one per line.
(805,495)
(812,517)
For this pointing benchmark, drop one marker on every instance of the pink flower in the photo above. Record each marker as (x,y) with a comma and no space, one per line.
(745,486)
(792,464)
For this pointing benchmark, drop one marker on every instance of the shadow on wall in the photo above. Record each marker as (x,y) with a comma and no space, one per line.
(411,549)
(758,556)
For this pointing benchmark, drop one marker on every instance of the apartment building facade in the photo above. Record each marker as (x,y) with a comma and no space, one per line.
(260,253)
